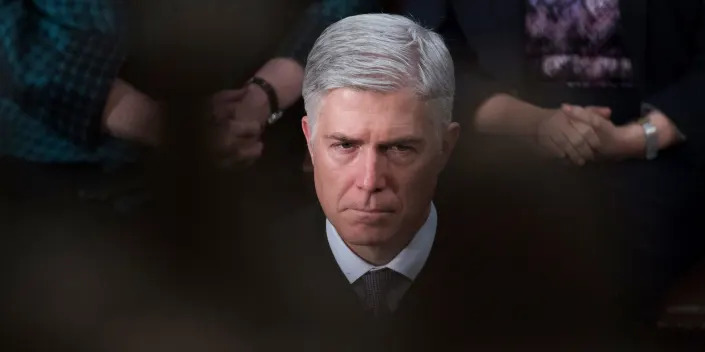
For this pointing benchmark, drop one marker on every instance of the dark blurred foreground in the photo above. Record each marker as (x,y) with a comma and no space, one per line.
(149,258)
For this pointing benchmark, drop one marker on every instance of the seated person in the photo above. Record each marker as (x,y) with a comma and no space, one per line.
(64,100)
(377,265)
(61,100)
(613,86)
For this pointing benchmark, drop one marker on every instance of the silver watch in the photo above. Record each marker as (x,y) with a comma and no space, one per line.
(651,134)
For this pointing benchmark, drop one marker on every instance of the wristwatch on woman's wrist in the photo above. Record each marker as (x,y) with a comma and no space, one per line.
(650,132)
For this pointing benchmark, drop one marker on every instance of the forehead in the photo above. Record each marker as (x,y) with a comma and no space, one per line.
(362,113)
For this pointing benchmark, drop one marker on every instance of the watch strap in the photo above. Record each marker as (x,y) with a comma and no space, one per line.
(275,112)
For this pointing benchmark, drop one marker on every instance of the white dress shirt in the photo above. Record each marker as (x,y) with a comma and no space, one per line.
(408,262)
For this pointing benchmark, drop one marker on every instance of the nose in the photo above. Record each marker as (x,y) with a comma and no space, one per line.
(372,176)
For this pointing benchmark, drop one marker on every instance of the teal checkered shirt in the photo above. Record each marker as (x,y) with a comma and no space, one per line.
(58,61)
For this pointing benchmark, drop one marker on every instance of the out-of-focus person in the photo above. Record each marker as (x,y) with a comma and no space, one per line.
(276,86)
(62,100)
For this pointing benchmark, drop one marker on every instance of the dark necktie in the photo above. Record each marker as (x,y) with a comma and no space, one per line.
(376,286)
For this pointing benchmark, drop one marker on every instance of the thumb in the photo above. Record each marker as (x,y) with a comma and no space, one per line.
(602,111)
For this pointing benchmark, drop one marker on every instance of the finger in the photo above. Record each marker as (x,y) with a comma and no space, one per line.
(228,95)
(583,115)
(574,156)
(235,147)
(575,138)
(568,148)
(551,148)
(224,112)
(245,128)
(602,111)
(586,153)
(588,133)
(242,154)
(231,131)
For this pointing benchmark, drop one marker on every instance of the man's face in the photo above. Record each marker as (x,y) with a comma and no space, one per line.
(376,160)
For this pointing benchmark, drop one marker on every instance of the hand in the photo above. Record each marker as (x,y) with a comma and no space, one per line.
(240,117)
(132,115)
(616,142)
(564,137)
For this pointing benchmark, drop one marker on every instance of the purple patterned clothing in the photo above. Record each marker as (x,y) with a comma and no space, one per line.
(577,42)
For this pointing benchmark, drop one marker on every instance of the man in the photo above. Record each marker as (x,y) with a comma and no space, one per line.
(377,265)
(610,85)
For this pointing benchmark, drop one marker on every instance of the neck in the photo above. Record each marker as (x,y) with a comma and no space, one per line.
(384,253)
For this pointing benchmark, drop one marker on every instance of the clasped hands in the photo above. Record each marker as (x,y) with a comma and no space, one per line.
(584,134)
(240,117)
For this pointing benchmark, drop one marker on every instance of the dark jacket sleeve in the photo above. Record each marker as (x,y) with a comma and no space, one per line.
(682,101)
(317,18)
(61,58)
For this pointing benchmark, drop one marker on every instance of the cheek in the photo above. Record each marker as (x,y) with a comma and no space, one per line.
(332,180)
(416,184)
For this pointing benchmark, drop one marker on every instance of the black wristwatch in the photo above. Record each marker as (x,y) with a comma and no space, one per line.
(275,112)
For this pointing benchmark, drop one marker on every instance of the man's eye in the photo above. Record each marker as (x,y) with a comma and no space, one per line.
(344,146)
(401,148)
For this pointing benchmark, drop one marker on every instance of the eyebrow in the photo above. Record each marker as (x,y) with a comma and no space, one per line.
(401,140)
(342,138)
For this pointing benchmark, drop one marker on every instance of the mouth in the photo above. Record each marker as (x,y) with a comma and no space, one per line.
(370,217)
(373,211)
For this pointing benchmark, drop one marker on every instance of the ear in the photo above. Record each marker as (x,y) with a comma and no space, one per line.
(306,127)
(450,138)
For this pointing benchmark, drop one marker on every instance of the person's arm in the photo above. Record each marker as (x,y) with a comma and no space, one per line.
(506,115)
(681,103)
(132,115)
(678,113)
(63,58)
(285,72)
(285,75)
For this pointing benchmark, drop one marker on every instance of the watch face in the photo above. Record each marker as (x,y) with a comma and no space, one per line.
(650,132)
(274,117)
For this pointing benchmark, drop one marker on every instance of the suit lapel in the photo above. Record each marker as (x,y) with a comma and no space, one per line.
(431,279)
(633,29)
(326,281)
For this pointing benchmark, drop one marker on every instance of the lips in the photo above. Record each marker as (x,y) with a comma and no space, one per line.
(373,211)
(370,217)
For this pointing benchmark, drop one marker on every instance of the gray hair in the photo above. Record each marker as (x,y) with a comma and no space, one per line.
(381,53)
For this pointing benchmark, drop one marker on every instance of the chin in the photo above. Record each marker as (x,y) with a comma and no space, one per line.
(361,235)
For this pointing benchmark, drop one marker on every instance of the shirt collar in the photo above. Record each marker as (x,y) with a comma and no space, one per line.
(408,262)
